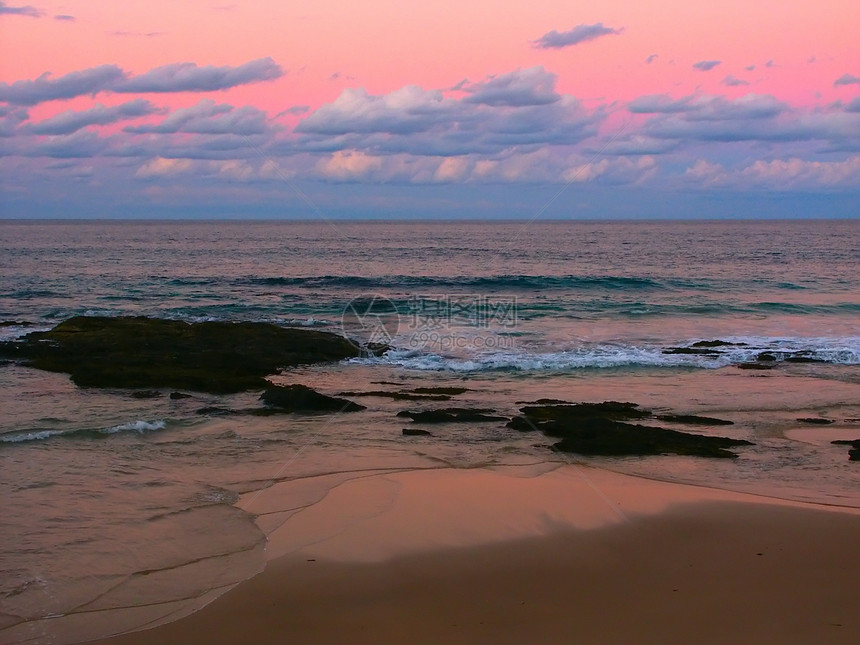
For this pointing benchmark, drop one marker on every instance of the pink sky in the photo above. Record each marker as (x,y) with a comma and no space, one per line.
(791,53)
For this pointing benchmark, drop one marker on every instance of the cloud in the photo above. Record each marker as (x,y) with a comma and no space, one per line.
(135,34)
(533,86)
(65,17)
(706,65)
(24,10)
(72,121)
(847,79)
(295,110)
(579,34)
(179,77)
(502,112)
(207,117)
(651,58)
(10,119)
(781,174)
(345,165)
(161,167)
(80,145)
(731,81)
(854,105)
(45,88)
(189,77)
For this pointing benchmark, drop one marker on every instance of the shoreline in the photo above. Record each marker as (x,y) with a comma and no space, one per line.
(512,553)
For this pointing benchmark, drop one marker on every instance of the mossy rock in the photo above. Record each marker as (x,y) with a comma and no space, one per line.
(141,352)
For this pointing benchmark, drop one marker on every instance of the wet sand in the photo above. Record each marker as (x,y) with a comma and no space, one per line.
(514,555)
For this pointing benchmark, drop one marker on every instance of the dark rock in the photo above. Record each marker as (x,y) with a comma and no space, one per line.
(602,429)
(215,411)
(566,412)
(698,351)
(416,432)
(451,415)
(136,352)
(15,323)
(693,419)
(854,452)
(606,437)
(449,391)
(146,394)
(545,402)
(754,366)
(179,395)
(803,359)
(766,357)
(716,343)
(815,420)
(400,396)
(300,398)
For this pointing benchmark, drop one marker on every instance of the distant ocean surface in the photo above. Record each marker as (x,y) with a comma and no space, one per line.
(574,294)
(114,503)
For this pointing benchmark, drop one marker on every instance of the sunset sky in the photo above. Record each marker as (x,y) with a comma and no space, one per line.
(384,108)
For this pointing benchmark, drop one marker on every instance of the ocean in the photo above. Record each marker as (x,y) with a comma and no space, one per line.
(112,503)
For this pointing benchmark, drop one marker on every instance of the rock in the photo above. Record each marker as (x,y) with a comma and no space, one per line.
(766,357)
(137,352)
(854,451)
(815,420)
(615,438)
(451,415)
(146,394)
(699,351)
(300,398)
(602,429)
(15,323)
(567,412)
(716,343)
(754,366)
(215,411)
(693,419)
(449,391)
(400,396)
(179,395)
(416,432)
(803,359)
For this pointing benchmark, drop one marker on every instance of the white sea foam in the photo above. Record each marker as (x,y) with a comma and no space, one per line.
(39,435)
(840,351)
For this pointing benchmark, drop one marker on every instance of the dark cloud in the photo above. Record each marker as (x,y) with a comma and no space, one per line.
(731,81)
(45,88)
(74,146)
(651,58)
(706,65)
(72,121)
(189,77)
(135,34)
(24,10)
(10,119)
(179,77)
(579,34)
(207,117)
(749,68)
(533,86)
(847,79)
(854,105)
(65,17)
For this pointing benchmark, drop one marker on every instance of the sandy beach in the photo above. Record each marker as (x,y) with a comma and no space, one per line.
(511,555)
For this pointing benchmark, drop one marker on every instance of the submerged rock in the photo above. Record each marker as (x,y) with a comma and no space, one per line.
(400,396)
(416,432)
(716,343)
(179,395)
(854,451)
(693,419)
(146,394)
(815,420)
(138,352)
(755,366)
(451,415)
(602,429)
(300,398)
